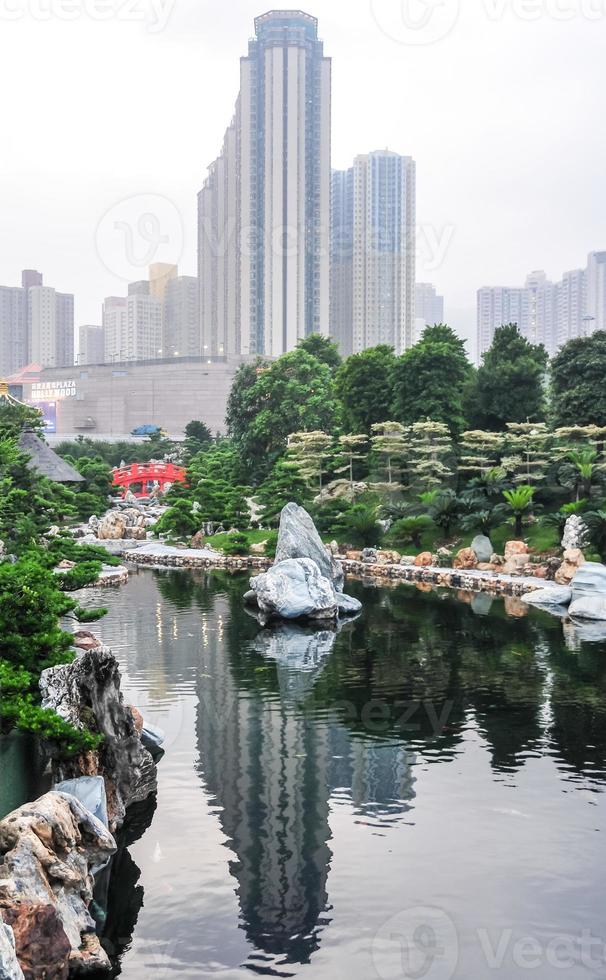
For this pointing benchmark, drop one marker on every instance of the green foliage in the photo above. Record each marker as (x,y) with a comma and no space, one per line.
(519,501)
(267,403)
(236,543)
(429,380)
(198,438)
(578,393)
(179,521)
(364,388)
(322,348)
(283,485)
(508,386)
(443,507)
(409,530)
(116,453)
(15,417)
(596,523)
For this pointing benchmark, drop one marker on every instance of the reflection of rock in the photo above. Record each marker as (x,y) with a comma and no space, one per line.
(87,694)
(557,595)
(515,607)
(49,850)
(293,589)
(9,966)
(481,603)
(298,647)
(579,631)
(298,538)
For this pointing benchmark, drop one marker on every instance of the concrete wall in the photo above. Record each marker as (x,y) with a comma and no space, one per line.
(113,399)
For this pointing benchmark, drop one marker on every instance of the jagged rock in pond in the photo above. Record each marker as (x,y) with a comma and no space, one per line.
(588,607)
(298,538)
(90,790)
(348,605)
(557,595)
(112,527)
(590,580)
(295,589)
(87,694)
(482,547)
(576,533)
(49,849)
(9,964)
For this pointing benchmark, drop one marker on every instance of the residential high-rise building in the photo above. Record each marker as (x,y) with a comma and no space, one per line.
(341,260)
(13,329)
(50,326)
(264,210)
(548,313)
(384,199)
(181,327)
(429,307)
(115,328)
(160,274)
(91,345)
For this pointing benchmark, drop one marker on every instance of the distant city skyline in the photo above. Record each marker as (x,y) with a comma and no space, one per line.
(473,199)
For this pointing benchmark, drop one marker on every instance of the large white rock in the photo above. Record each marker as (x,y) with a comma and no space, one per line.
(556,595)
(9,967)
(298,538)
(295,589)
(590,580)
(576,533)
(482,548)
(588,607)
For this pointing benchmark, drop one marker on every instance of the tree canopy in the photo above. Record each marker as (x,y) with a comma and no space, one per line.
(578,391)
(508,386)
(364,387)
(322,348)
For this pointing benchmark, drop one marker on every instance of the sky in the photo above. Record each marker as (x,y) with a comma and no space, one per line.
(113,109)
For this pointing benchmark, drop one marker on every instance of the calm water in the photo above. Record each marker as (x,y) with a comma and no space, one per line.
(421,795)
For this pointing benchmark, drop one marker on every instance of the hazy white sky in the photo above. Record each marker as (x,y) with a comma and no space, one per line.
(501,102)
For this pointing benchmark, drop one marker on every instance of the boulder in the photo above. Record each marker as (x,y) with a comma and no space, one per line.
(370,556)
(84,640)
(198,540)
(576,533)
(515,548)
(87,694)
(388,557)
(466,558)
(482,547)
(408,560)
(515,563)
(49,850)
(424,559)
(112,527)
(573,560)
(588,607)
(294,589)
(9,965)
(90,790)
(348,604)
(589,580)
(137,533)
(353,555)
(557,595)
(298,538)
(258,549)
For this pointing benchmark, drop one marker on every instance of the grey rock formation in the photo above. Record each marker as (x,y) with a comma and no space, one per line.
(348,605)
(590,580)
(588,607)
(482,548)
(48,851)
(9,966)
(576,533)
(90,790)
(557,595)
(298,538)
(87,694)
(294,589)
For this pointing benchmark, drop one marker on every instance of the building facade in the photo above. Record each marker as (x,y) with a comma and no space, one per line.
(36,324)
(264,210)
(91,344)
(429,307)
(181,325)
(341,260)
(13,330)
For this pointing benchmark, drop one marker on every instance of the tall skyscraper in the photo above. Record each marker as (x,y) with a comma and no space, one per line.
(341,260)
(429,307)
(50,326)
(13,329)
(181,328)
(91,345)
(548,313)
(264,210)
(115,328)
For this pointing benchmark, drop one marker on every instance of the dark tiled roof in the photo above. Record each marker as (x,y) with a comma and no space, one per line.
(46,462)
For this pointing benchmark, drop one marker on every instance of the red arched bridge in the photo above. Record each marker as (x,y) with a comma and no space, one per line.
(141,478)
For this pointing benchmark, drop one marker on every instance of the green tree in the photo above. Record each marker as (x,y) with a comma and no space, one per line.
(578,392)
(198,437)
(321,348)
(509,384)
(519,501)
(430,379)
(283,485)
(310,451)
(294,393)
(364,388)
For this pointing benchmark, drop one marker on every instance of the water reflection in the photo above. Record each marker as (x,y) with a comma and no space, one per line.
(334,769)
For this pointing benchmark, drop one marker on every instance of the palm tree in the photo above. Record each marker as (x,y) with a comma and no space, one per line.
(583,461)
(519,501)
